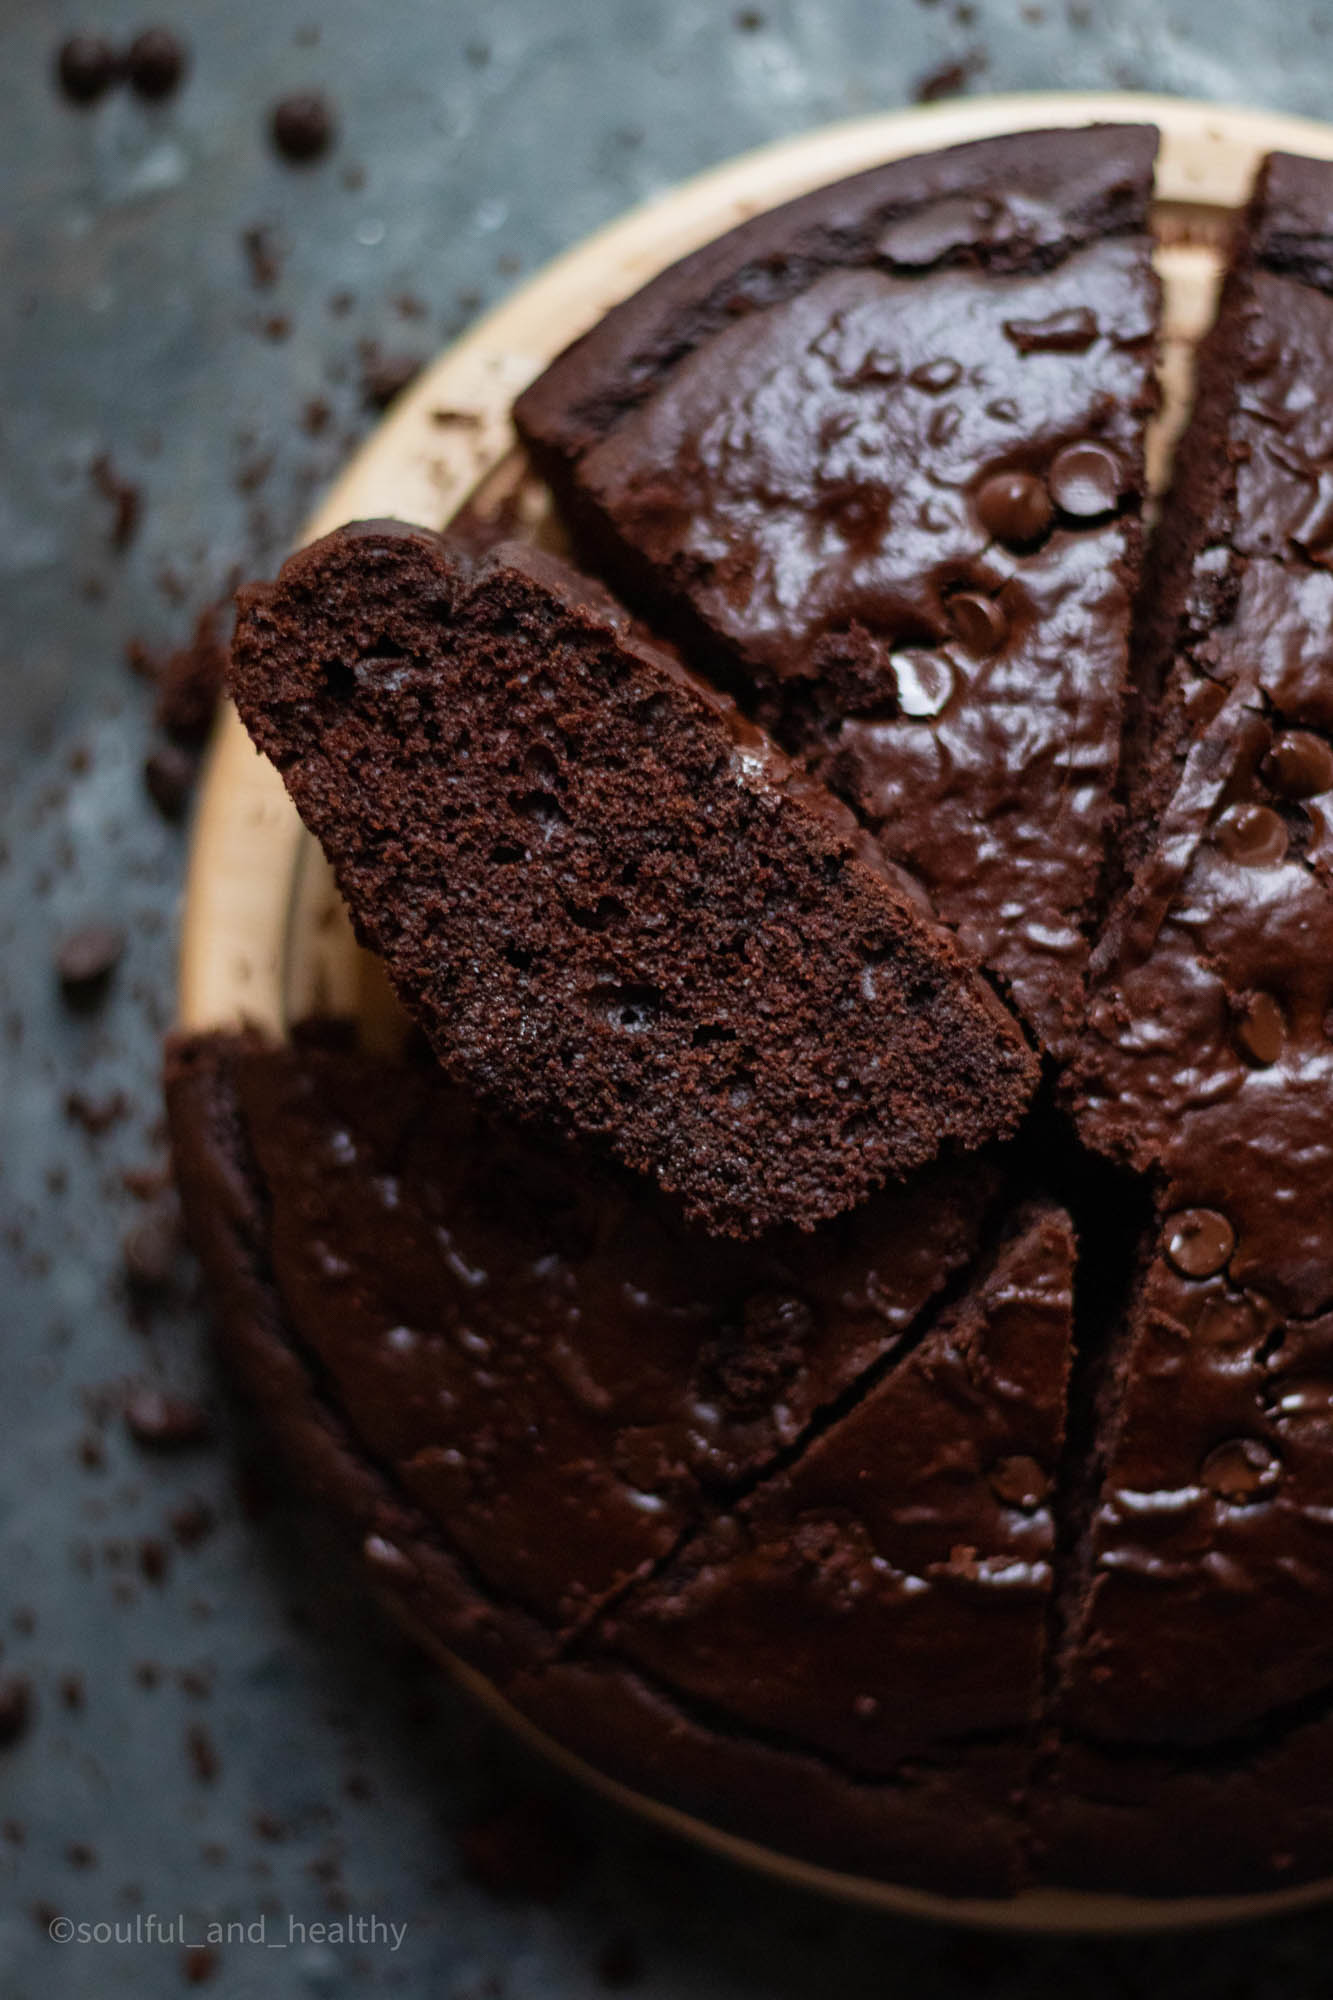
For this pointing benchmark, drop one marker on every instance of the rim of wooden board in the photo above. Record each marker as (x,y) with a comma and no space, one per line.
(264,937)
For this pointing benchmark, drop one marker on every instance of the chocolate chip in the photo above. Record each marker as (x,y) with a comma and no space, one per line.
(125,498)
(169,773)
(978,621)
(1069,331)
(1259,1028)
(1085,480)
(925,682)
(155,63)
(15,1707)
(384,377)
(1299,765)
(302,126)
(190,682)
(1242,1471)
(163,1421)
(149,1250)
(1014,507)
(1254,836)
(1226,1323)
(1199,1241)
(86,68)
(1308,1396)
(936,376)
(1019,1482)
(87,959)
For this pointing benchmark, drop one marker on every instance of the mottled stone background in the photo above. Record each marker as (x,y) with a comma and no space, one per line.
(217,1732)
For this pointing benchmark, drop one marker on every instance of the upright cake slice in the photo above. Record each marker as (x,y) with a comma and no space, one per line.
(610,903)
(883,1604)
(1208,1060)
(878,457)
(544,1361)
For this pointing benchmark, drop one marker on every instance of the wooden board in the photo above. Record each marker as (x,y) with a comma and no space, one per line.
(265,938)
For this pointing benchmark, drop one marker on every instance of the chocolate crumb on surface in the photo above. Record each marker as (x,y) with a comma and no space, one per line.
(16,1707)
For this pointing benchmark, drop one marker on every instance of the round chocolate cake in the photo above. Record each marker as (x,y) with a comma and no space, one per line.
(832,1316)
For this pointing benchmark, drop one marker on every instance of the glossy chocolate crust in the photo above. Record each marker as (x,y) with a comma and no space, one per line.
(877,457)
(1208,1065)
(609,901)
(372,1245)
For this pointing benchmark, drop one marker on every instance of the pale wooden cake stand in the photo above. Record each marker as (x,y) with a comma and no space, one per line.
(265,938)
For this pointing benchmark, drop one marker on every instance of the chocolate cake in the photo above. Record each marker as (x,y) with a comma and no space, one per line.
(530,1384)
(877,458)
(550,1360)
(607,899)
(1208,1062)
(956,1538)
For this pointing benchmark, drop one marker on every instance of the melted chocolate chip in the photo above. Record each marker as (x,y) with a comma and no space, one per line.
(1241,1471)
(1308,1396)
(1199,1241)
(925,682)
(978,621)
(1260,1028)
(302,126)
(155,63)
(1254,836)
(1299,765)
(1226,1323)
(1019,1482)
(15,1707)
(1014,507)
(1084,480)
(1069,331)
(86,68)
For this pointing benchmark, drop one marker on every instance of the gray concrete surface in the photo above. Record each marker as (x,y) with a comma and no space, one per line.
(476,140)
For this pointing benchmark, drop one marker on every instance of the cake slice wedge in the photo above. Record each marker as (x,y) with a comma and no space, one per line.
(877,458)
(611,903)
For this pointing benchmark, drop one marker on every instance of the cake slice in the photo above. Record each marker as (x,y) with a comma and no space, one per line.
(1208,1062)
(544,1361)
(877,457)
(882,1605)
(610,903)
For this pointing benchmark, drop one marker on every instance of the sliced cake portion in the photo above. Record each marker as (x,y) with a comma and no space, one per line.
(547,1364)
(878,457)
(882,1605)
(608,900)
(1208,1061)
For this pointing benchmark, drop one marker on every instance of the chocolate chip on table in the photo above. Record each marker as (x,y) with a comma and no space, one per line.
(1199,1241)
(1014,507)
(302,126)
(15,1707)
(169,773)
(86,960)
(155,63)
(385,376)
(86,68)
(163,1420)
(149,1250)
